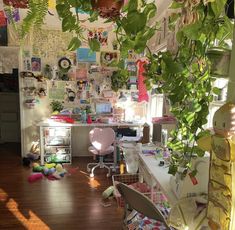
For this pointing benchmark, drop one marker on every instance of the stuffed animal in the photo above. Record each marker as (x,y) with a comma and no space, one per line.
(221,178)
(35,177)
(37,167)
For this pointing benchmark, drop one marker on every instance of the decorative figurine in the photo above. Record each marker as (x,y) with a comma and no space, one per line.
(221,146)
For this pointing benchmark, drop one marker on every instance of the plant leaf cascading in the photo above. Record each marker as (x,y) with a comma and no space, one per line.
(184,76)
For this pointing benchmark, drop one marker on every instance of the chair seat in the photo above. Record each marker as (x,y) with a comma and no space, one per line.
(138,221)
(109,150)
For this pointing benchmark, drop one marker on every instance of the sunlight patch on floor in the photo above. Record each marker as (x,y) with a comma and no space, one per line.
(3,195)
(93,183)
(31,223)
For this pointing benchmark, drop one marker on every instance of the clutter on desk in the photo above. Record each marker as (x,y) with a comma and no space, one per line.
(164,120)
(133,180)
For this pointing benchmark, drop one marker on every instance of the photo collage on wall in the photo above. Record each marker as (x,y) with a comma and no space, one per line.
(100,34)
(75,77)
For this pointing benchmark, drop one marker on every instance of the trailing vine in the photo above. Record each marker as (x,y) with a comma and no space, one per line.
(185,77)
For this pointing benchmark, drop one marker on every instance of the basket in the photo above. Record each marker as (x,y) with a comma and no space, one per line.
(131,179)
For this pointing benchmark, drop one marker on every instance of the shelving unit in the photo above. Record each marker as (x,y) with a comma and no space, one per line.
(55,145)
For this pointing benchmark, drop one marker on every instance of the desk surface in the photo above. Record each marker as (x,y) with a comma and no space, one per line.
(159,173)
(51,123)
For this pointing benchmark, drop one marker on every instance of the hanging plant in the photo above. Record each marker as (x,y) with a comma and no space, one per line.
(185,78)
(17,3)
(109,9)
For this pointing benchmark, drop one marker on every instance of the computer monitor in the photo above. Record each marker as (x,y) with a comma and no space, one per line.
(103,108)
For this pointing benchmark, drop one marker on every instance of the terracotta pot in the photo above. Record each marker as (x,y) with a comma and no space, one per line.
(107,8)
(17,3)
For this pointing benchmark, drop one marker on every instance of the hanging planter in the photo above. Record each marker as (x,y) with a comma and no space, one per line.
(17,3)
(108,8)
(220,59)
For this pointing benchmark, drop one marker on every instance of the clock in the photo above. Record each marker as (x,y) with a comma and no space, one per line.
(64,63)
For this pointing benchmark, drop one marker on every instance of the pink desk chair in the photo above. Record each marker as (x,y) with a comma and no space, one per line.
(101,140)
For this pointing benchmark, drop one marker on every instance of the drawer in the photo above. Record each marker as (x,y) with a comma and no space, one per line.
(148,178)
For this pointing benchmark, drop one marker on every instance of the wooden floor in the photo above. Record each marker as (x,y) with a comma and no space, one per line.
(74,202)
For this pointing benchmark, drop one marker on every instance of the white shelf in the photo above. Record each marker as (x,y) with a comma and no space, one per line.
(51,153)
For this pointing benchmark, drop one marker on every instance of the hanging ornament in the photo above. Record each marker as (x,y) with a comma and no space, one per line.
(17,3)
(108,8)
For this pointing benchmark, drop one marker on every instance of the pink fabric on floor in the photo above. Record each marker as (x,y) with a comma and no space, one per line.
(143,94)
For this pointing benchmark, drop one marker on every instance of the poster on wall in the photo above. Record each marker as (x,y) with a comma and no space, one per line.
(26,58)
(36,64)
(56,94)
(131,67)
(3,29)
(108,58)
(100,34)
(81,71)
(85,55)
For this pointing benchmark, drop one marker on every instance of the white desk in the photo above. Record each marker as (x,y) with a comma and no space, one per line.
(51,123)
(183,211)
(154,175)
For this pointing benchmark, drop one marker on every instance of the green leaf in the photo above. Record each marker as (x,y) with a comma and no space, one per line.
(134,22)
(216,90)
(94,45)
(190,117)
(198,151)
(172,169)
(175,5)
(74,44)
(132,5)
(94,16)
(218,7)
(172,67)
(173,20)
(192,31)
(150,10)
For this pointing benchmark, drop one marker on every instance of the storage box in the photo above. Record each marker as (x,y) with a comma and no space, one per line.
(132,179)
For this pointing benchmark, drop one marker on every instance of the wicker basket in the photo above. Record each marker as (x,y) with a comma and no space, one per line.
(131,179)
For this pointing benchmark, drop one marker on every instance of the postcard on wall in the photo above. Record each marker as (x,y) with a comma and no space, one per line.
(131,67)
(100,34)
(81,71)
(108,58)
(56,94)
(36,64)
(27,64)
(85,55)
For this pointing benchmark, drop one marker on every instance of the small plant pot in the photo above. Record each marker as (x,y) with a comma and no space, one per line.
(107,8)
(220,60)
(17,3)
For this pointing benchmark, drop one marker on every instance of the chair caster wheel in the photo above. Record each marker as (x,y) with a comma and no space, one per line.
(91,175)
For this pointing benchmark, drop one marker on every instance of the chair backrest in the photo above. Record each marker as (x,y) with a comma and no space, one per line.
(102,138)
(140,203)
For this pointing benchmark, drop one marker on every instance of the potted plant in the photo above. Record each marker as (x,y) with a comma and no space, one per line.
(107,8)
(219,58)
(56,106)
(133,28)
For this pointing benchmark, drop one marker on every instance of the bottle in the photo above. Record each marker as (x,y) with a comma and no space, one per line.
(83,116)
(145,138)
(122,165)
(89,120)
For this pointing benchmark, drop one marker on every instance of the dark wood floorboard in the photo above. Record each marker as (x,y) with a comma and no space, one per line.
(74,202)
